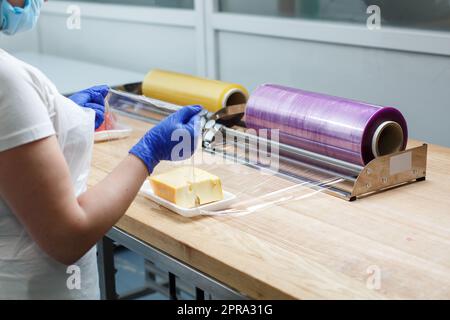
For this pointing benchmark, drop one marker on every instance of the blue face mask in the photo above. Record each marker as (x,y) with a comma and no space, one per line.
(14,19)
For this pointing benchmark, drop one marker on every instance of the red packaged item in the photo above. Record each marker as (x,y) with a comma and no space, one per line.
(109,123)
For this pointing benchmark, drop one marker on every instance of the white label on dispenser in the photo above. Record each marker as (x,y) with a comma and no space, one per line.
(401,163)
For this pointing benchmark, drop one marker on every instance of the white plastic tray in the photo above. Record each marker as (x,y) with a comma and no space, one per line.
(120,132)
(228,199)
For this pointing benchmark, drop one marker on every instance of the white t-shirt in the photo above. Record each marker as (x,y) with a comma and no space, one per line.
(31,109)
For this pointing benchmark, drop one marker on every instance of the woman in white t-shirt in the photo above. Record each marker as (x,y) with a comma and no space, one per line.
(48,218)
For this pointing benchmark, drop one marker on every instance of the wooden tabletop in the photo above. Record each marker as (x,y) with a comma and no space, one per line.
(393,245)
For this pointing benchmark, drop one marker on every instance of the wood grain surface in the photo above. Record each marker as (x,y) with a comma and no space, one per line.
(312,246)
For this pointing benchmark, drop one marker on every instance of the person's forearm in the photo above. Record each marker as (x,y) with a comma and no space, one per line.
(110,198)
(105,203)
(64,226)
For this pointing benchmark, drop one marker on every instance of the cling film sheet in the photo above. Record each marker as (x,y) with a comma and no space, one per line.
(112,140)
(253,179)
(254,187)
(111,129)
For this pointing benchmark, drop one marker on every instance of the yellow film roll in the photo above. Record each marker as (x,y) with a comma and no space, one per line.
(184,90)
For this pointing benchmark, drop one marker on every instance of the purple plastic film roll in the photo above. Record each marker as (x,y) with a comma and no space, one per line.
(336,127)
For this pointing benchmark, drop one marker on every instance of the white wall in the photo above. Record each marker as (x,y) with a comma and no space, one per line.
(133,38)
(28,41)
(127,45)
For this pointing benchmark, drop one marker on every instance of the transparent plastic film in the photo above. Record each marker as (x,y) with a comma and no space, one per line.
(249,186)
(253,177)
(114,138)
(250,182)
(112,128)
(128,112)
(265,178)
(134,104)
(347,130)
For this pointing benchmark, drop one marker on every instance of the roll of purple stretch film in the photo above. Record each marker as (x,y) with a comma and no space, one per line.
(336,127)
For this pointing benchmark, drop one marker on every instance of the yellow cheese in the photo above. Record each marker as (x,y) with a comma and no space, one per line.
(187,187)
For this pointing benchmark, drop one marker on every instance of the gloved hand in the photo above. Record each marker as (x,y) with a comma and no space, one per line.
(93,98)
(183,127)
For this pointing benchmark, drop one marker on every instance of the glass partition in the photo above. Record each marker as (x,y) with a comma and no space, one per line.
(422,14)
(180,4)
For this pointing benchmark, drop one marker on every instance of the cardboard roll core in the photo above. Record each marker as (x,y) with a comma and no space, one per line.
(234,97)
(388,139)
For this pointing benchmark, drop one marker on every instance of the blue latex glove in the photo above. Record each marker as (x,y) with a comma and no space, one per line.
(93,98)
(157,145)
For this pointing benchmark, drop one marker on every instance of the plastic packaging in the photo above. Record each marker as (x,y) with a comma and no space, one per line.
(340,128)
(252,189)
(184,90)
(111,129)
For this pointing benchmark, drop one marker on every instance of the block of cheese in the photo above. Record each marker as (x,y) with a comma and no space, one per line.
(187,187)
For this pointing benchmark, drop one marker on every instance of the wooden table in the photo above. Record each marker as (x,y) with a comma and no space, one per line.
(393,245)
